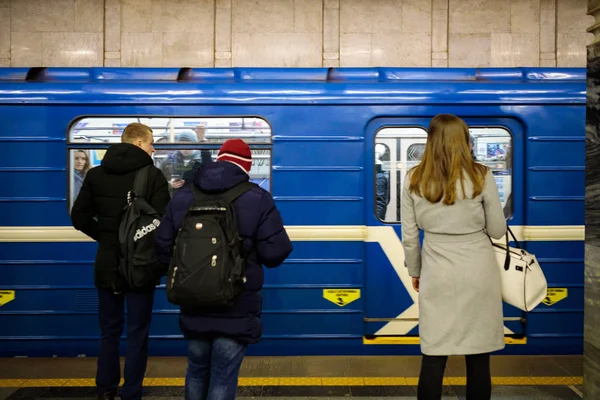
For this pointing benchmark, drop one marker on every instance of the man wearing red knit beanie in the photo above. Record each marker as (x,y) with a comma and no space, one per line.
(217,338)
(237,152)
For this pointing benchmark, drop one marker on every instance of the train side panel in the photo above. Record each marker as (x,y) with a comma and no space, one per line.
(345,263)
(317,179)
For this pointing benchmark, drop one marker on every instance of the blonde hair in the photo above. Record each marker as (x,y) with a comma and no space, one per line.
(134,132)
(87,165)
(446,159)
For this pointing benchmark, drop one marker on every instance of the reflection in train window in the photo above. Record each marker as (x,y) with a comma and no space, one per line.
(490,146)
(382,179)
(415,152)
(192,143)
(174,129)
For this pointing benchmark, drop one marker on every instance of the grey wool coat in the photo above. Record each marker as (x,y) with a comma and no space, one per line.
(460,298)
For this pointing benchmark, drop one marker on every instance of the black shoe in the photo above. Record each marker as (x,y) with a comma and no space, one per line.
(106,396)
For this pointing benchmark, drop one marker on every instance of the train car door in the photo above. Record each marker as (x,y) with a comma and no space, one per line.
(394,146)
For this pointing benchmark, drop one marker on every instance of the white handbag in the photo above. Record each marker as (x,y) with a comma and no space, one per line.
(523,282)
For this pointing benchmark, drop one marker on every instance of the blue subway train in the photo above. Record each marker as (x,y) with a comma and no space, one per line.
(332,146)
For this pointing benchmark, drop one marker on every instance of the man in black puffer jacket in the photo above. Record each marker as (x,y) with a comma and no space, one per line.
(97,213)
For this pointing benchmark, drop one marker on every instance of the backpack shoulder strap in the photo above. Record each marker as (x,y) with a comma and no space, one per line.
(140,180)
(229,196)
(236,191)
(198,195)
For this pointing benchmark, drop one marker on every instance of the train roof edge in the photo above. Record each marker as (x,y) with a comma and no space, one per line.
(299,75)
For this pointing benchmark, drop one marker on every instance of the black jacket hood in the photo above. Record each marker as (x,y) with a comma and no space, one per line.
(123,158)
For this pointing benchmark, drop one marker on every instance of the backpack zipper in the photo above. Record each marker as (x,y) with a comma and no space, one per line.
(173,277)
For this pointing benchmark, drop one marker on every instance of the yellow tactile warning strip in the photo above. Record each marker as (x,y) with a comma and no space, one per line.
(557,380)
(384,382)
(456,381)
(79,382)
(310,381)
(343,381)
(164,381)
(259,382)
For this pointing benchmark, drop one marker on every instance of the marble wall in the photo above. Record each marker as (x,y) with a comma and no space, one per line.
(294,33)
(591,373)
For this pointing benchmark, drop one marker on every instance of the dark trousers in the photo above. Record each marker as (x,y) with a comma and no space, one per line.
(479,381)
(213,369)
(139,314)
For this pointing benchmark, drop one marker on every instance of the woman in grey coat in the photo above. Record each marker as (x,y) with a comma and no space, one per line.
(455,201)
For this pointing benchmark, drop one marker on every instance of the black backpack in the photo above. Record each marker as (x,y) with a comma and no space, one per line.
(139,264)
(208,268)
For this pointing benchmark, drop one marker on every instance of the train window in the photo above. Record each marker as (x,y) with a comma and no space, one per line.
(181,144)
(174,129)
(492,146)
(404,147)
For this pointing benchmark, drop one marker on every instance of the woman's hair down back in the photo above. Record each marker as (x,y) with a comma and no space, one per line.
(446,160)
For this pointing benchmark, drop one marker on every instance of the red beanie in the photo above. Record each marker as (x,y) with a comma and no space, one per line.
(236,151)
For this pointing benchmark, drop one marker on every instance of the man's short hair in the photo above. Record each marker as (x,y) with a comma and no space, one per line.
(134,132)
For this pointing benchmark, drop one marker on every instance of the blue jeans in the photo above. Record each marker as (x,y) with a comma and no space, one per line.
(111,310)
(213,369)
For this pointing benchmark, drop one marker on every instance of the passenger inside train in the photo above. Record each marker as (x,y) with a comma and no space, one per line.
(382,195)
(179,166)
(81,165)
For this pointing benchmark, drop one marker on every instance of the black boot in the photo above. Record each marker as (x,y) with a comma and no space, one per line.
(106,396)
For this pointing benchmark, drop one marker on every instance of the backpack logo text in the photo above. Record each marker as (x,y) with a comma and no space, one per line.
(144,230)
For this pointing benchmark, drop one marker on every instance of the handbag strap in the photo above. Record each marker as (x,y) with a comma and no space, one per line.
(508,230)
(507,259)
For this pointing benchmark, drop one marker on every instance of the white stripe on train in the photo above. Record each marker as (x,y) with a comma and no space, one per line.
(299,233)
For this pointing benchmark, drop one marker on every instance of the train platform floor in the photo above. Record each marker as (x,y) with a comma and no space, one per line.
(301,378)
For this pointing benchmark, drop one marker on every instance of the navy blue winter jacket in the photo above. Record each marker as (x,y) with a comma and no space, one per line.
(259,222)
